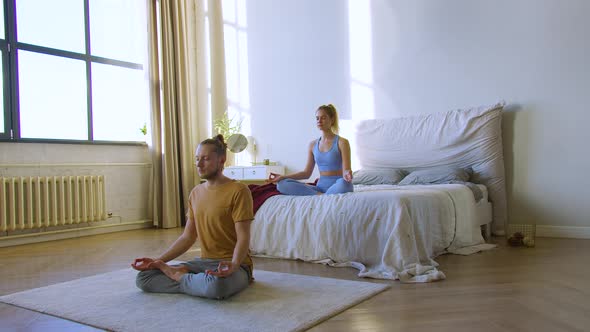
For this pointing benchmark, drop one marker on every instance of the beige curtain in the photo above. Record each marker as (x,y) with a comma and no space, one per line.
(180,113)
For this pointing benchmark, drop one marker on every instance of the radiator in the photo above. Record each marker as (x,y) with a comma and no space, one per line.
(40,202)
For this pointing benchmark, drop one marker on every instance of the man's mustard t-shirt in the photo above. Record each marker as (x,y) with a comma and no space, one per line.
(214,210)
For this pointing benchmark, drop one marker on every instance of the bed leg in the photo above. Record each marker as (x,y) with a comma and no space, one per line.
(487,231)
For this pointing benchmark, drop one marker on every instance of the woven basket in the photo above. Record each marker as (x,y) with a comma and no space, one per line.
(521,235)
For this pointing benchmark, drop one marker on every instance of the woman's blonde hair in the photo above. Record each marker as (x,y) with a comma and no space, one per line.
(333,114)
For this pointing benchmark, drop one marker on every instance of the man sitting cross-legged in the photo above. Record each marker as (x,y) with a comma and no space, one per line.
(219,214)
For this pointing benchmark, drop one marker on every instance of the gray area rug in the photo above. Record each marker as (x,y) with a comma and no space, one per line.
(274,302)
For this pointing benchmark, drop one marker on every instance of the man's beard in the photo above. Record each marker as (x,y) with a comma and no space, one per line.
(211,174)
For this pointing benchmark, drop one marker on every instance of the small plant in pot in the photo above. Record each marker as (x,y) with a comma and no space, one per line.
(228,126)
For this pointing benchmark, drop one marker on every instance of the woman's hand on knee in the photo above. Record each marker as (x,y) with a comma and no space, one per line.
(347,175)
(274,178)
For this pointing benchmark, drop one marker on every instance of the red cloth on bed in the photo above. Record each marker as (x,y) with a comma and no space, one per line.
(260,193)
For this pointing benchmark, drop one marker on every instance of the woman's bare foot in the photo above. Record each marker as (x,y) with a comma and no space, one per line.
(172,272)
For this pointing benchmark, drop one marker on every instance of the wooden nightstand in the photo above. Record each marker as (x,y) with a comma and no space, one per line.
(258,173)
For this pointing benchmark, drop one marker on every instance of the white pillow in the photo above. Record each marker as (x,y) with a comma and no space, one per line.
(437,175)
(378,176)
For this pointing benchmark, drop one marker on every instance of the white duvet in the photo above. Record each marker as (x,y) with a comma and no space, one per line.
(386,232)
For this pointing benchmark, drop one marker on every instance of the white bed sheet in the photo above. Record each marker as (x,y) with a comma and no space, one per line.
(387,232)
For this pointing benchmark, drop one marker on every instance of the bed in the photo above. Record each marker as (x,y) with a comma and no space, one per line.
(394,231)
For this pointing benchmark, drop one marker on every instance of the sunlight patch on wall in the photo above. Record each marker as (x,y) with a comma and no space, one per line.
(362,99)
(236,68)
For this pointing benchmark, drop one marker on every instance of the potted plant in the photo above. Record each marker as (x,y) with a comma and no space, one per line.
(228,126)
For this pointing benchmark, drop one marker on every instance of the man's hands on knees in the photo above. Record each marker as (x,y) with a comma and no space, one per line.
(143,264)
(224,269)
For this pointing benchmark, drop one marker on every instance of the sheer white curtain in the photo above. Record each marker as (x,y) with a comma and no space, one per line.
(181,117)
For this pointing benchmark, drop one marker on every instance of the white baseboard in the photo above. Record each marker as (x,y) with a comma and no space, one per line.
(14,240)
(572,232)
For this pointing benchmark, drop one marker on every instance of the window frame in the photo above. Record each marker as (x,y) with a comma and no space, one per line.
(6,75)
(10,47)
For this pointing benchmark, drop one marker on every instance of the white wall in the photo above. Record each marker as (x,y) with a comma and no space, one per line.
(126,169)
(296,64)
(432,56)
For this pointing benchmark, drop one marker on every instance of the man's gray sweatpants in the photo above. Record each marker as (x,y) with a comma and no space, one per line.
(195,282)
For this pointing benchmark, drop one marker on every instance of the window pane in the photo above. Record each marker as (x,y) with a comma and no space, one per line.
(207,52)
(242,22)
(243,67)
(228,10)
(2,94)
(120,103)
(2,22)
(55,24)
(231,62)
(118,29)
(52,97)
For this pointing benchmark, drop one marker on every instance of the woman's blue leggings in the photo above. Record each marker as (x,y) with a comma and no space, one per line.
(326,184)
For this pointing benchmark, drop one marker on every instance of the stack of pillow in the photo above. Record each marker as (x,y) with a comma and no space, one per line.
(436,175)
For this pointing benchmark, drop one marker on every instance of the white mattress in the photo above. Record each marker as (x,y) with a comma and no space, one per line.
(387,232)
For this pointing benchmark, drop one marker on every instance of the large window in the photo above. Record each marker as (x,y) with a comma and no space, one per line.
(4,64)
(74,70)
(235,36)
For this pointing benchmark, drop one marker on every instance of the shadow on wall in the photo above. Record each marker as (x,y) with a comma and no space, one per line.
(516,148)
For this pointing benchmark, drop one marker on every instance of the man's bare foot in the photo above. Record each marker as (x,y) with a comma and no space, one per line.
(172,272)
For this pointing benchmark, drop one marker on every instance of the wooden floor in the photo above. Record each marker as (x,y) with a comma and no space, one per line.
(545,288)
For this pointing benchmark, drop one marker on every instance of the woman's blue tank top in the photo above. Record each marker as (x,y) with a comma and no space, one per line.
(330,160)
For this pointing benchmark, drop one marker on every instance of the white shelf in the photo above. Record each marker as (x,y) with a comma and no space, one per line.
(252,173)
